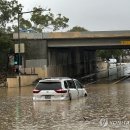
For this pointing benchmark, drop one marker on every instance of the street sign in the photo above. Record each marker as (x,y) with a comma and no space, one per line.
(21,49)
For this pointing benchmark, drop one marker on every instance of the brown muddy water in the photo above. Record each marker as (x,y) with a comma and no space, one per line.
(107,107)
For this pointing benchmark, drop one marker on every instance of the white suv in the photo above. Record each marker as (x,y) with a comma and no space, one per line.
(60,88)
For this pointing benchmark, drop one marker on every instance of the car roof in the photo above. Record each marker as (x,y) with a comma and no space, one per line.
(56,79)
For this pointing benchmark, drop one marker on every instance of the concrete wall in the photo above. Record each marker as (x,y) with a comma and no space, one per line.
(35,49)
(102,69)
(35,53)
(40,71)
(25,80)
(72,62)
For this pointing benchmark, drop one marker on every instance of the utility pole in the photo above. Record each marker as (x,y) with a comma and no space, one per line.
(19,51)
(19,78)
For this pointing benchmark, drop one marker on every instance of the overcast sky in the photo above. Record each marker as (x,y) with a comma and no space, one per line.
(94,15)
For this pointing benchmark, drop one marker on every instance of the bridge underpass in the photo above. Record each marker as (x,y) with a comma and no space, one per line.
(73,62)
(70,54)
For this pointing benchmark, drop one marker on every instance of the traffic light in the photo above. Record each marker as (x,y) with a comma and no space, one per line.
(17,59)
(10,51)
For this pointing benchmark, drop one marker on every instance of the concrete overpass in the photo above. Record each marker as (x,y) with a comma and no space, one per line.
(118,39)
(69,53)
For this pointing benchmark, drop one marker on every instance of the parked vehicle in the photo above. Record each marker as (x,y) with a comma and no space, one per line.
(61,88)
(112,61)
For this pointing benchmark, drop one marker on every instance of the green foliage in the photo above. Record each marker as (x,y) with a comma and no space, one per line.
(5,43)
(40,18)
(78,29)
(109,53)
(8,13)
(59,22)
(25,24)
(44,18)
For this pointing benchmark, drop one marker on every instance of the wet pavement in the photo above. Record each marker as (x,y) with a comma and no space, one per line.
(107,107)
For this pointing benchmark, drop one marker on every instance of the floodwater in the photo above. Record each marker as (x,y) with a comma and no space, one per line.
(107,107)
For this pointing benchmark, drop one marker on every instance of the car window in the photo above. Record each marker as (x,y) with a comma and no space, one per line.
(71,84)
(78,84)
(48,85)
(65,84)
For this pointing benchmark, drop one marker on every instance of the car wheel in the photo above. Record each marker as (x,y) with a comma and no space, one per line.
(85,95)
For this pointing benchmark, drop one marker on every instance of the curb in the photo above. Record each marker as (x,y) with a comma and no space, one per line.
(121,79)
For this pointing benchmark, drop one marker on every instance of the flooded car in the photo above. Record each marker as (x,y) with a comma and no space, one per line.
(59,88)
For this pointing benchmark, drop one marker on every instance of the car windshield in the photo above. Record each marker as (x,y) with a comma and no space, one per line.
(48,85)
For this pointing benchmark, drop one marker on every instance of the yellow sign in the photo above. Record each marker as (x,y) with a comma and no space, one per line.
(125,42)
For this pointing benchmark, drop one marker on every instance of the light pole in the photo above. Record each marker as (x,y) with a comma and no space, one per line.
(19,51)
(19,78)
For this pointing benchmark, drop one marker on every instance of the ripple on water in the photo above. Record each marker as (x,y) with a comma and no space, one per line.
(19,112)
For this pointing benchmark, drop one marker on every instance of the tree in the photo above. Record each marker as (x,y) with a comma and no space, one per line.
(78,29)
(106,54)
(8,13)
(42,19)
(9,10)
(6,46)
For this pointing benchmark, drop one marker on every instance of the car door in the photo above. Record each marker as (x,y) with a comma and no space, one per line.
(72,89)
(79,87)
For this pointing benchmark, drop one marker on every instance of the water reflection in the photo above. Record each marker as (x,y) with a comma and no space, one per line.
(104,101)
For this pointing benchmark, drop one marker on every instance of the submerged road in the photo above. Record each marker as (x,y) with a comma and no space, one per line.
(107,107)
